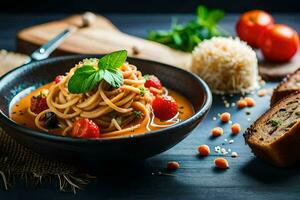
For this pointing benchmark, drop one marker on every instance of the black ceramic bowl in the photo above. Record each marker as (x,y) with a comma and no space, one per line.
(14,83)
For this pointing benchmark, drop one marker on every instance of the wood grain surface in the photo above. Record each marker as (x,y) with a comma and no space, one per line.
(277,71)
(99,38)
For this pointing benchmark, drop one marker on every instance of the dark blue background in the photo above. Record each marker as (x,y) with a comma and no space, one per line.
(142,6)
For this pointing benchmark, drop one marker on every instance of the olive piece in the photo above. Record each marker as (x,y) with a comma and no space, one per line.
(50,120)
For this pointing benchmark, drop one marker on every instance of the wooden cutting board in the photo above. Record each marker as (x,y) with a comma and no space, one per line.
(277,71)
(10,60)
(101,37)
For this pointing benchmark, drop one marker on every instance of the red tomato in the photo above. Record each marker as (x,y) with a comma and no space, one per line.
(153,81)
(85,128)
(279,43)
(58,78)
(164,107)
(38,104)
(251,24)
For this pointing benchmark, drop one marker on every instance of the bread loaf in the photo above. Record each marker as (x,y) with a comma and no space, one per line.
(275,136)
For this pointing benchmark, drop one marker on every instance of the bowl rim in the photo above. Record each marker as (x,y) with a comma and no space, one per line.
(63,139)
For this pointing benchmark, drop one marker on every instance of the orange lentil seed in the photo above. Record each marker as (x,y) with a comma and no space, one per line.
(225,117)
(262,92)
(235,128)
(242,103)
(173,165)
(250,101)
(217,131)
(221,163)
(204,150)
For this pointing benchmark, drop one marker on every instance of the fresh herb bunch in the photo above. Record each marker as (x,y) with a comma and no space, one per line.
(87,77)
(186,37)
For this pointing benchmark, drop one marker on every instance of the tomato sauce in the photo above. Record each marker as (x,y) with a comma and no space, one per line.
(19,112)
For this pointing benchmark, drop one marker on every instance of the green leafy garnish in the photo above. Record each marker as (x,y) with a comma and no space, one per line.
(88,76)
(298,113)
(146,77)
(137,114)
(44,93)
(186,37)
(142,91)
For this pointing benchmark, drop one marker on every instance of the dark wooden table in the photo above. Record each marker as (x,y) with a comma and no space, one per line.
(247,178)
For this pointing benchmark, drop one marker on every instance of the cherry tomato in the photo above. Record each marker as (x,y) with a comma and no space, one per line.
(279,43)
(251,24)
(58,78)
(153,81)
(164,107)
(85,128)
(38,104)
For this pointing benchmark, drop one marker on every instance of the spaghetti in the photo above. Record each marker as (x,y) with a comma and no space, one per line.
(117,111)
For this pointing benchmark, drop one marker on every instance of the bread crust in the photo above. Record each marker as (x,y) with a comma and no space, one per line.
(278,94)
(282,152)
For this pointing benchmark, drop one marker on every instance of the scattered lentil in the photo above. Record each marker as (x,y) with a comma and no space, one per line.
(250,101)
(235,128)
(173,165)
(241,103)
(262,92)
(204,150)
(221,163)
(225,117)
(217,131)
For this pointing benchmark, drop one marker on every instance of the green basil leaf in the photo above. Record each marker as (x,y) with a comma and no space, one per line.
(85,69)
(113,78)
(113,60)
(83,80)
(186,36)
(202,14)
(87,77)
(177,39)
(214,16)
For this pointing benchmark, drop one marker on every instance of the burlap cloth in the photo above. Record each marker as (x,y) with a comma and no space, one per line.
(18,162)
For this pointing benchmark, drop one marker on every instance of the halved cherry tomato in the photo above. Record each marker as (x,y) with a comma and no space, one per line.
(279,43)
(85,128)
(251,24)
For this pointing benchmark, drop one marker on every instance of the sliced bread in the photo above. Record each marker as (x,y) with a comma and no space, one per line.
(290,84)
(275,136)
